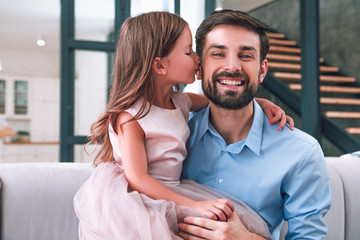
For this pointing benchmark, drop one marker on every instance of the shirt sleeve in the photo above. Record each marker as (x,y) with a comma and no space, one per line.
(307,196)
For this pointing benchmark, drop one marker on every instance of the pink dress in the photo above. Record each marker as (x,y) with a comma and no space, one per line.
(107,210)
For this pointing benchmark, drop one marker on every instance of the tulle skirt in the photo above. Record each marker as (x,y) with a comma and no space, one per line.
(108,211)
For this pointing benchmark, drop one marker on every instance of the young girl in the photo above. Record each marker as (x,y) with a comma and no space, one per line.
(135,191)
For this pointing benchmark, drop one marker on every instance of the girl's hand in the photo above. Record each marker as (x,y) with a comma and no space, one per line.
(275,114)
(215,209)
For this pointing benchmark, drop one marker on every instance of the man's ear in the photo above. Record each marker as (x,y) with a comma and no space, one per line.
(158,66)
(263,70)
(199,74)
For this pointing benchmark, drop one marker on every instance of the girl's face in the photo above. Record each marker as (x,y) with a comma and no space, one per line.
(182,62)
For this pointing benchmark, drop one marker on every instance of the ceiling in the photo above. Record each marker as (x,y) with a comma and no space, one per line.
(23,21)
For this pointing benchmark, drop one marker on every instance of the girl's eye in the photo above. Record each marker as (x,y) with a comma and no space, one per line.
(189,53)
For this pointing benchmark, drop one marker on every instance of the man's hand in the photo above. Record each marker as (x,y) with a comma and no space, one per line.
(201,228)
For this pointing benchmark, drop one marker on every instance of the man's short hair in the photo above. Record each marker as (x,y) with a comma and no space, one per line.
(236,18)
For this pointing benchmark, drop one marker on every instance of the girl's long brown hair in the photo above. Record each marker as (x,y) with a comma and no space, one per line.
(141,39)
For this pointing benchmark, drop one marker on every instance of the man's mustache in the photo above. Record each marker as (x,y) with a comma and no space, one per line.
(230,75)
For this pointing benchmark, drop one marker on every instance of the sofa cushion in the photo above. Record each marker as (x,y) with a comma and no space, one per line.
(26,215)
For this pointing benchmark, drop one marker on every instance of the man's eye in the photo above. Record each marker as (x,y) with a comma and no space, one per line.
(218,54)
(245,56)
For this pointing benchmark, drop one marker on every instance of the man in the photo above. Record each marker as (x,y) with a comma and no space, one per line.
(281,175)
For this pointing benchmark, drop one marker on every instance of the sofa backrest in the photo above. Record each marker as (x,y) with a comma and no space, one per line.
(348,169)
(37,199)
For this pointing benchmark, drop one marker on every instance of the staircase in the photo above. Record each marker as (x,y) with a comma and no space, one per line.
(340,95)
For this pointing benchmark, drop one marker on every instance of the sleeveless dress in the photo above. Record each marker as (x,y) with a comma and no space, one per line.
(107,210)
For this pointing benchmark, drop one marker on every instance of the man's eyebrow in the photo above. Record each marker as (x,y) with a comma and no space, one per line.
(217,46)
(242,48)
(247,48)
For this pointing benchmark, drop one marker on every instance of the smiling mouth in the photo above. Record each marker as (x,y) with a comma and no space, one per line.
(231,83)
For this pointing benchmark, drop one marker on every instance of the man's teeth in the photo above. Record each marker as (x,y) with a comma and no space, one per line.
(231,83)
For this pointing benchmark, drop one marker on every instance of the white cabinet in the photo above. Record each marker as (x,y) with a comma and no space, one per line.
(45,110)
(14,97)
(31,105)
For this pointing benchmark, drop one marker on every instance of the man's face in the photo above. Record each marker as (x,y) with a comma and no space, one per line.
(231,69)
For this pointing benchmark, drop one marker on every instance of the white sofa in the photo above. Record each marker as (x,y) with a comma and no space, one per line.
(37,199)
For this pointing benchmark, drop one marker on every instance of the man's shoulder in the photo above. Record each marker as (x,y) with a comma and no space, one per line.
(295,137)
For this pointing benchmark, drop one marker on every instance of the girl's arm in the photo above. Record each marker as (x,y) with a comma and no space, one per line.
(132,148)
(198,101)
(275,113)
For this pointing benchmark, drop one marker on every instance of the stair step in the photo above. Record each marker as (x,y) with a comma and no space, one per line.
(353,130)
(340,101)
(275,35)
(284,57)
(323,78)
(297,66)
(282,42)
(331,89)
(285,49)
(329,69)
(332,114)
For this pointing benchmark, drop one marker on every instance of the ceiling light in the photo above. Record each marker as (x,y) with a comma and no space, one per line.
(40,42)
(0,66)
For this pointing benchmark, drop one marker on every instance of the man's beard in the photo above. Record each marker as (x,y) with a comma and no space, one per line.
(230,99)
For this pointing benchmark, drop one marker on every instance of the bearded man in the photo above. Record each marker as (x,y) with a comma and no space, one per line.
(281,175)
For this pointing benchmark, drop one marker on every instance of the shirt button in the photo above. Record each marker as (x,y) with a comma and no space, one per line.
(221,180)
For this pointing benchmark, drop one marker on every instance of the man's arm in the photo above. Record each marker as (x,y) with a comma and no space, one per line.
(202,228)
(307,197)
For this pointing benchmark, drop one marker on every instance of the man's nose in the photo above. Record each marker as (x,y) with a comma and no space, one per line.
(232,64)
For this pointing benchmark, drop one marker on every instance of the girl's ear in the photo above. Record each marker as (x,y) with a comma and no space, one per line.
(158,66)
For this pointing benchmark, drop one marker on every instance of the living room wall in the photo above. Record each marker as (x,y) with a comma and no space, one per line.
(339,29)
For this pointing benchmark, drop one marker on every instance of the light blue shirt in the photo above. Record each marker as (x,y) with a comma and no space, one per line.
(282,175)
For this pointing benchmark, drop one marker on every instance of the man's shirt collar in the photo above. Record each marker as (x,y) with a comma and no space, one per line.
(254,138)
(204,126)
